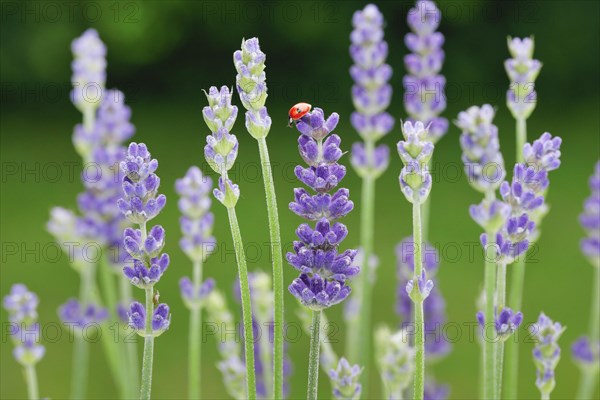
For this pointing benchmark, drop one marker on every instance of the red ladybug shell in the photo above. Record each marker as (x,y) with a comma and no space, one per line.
(298,111)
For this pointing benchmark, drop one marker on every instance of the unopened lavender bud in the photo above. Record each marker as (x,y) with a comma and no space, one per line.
(422,290)
(89,70)
(586,353)
(250,80)
(522,71)
(505,323)
(490,215)
(590,220)
(227,193)
(161,319)
(79,316)
(546,353)
(370,166)
(345,380)
(258,123)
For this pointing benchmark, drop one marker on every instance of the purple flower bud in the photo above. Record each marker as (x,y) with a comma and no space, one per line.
(318,293)
(315,125)
(490,215)
(250,80)
(370,166)
(73,313)
(21,304)
(585,352)
(227,193)
(321,205)
(546,353)
(590,220)
(544,153)
(522,71)
(89,70)
(193,297)
(345,380)
(422,291)
(505,323)
(161,319)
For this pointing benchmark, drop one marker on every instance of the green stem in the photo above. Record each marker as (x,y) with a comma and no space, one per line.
(589,376)
(131,350)
(489,384)
(246,306)
(521,138)
(500,303)
(587,384)
(32,383)
(194,363)
(148,356)
(313,358)
(112,351)
(425,207)
(419,384)
(359,329)
(276,253)
(545,396)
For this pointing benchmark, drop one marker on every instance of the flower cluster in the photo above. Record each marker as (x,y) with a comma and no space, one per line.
(345,380)
(252,87)
(415,151)
(196,225)
(505,323)
(434,305)
(424,97)
(323,271)
(546,353)
(371,93)
(522,71)
(89,70)
(81,316)
(24,330)
(395,360)
(590,220)
(221,147)
(141,203)
(481,155)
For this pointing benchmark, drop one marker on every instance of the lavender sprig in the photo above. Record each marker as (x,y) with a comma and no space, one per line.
(371,95)
(24,330)
(323,271)
(220,153)
(141,203)
(197,243)
(345,380)
(415,182)
(251,86)
(546,353)
(586,350)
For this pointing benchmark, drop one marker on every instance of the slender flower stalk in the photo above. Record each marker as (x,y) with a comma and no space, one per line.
(521,99)
(415,182)
(484,166)
(546,353)
(323,271)
(251,86)
(396,361)
(371,95)
(140,204)
(220,153)
(24,330)
(197,243)
(586,350)
(424,98)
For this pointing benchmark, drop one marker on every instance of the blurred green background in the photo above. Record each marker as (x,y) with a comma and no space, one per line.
(161,54)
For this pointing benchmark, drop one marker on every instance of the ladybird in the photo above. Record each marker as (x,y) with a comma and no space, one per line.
(298,111)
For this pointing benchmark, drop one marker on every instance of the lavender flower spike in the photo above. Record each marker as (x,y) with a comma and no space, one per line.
(522,71)
(505,323)
(415,151)
(546,353)
(424,97)
(141,203)
(345,380)
(395,360)
(481,155)
(590,220)
(24,331)
(371,93)
(89,71)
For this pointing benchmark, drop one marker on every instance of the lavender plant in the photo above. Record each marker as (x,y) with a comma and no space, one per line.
(415,182)
(586,350)
(220,153)
(252,88)
(197,243)
(99,142)
(24,331)
(521,99)
(323,271)
(395,360)
(371,95)
(345,380)
(546,353)
(140,204)
(424,98)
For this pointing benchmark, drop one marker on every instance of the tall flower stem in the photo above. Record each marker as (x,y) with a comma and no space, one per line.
(275,243)
(363,326)
(194,365)
(32,383)
(148,356)
(589,376)
(419,385)
(313,360)
(499,304)
(515,299)
(81,349)
(246,308)
(489,384)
